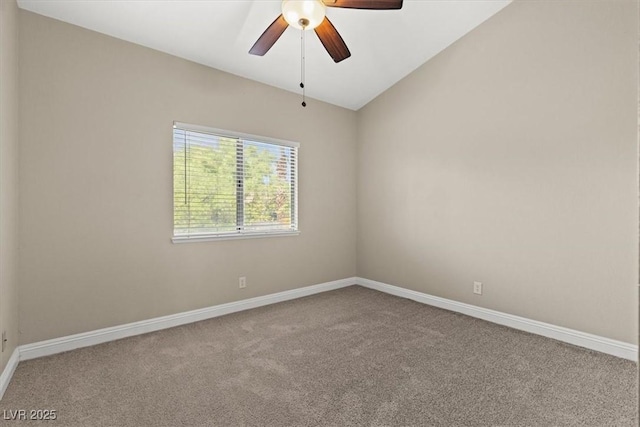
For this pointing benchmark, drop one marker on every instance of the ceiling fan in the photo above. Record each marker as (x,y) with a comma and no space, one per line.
(310,15)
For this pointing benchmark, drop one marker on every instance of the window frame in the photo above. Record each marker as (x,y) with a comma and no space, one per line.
(239,234)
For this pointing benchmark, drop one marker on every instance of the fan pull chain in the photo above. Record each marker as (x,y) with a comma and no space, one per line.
(302,61)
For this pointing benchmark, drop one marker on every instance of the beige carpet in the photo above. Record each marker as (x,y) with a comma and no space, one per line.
(348,357)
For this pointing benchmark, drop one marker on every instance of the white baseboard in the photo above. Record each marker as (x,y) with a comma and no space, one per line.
(8,371)
(582,339)
(86,339)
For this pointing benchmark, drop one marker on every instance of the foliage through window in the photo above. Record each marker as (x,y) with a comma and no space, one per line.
(227,185)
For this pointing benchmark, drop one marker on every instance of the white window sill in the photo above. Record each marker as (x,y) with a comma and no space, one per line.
(231,236)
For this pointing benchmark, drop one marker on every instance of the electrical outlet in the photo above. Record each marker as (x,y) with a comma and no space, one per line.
(4,340)
(242,282)
(477,288)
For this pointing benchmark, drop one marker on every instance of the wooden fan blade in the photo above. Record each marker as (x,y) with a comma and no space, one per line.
(332,41)
(269,37)
(365,4)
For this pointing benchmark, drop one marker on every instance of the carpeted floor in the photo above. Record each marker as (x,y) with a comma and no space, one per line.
(348,357)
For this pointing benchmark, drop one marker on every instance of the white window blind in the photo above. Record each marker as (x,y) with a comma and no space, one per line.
(232,185)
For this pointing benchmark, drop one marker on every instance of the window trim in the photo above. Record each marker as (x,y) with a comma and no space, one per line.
(231,236)
(205,237)
(234,134)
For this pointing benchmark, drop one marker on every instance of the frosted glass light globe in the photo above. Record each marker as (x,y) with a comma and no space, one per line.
(297,12)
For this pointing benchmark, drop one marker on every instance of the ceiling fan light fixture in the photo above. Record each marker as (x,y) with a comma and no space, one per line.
(303,14)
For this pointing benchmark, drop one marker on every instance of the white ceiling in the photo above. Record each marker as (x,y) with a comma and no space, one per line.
(385,45)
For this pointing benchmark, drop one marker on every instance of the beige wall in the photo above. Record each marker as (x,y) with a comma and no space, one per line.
(8,176)
(510,159)
(96,184)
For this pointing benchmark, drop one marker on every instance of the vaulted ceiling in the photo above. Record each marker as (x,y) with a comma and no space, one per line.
(385,45)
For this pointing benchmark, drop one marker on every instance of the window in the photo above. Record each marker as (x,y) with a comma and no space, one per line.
(229,185)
